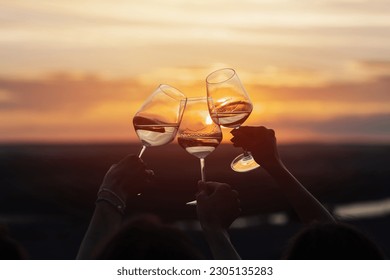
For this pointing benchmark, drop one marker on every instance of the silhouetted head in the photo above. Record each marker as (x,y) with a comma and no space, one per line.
(10,249)
(332,241)
(148,239)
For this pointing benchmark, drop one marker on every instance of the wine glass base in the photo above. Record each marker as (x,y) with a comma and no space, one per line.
(244,163)
(191,202)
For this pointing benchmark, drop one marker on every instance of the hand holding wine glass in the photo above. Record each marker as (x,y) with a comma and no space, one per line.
(157,121)
(230,106)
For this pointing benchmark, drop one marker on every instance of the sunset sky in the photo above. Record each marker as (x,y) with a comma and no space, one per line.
(78,70)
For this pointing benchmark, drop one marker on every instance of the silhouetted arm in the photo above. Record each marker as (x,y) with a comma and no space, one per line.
(106,220)
(307,207)
(217,208)
(123,181)
(261,142)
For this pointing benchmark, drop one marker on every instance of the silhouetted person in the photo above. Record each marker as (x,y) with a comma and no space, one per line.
(143,238)
(121,184)
(261,142)
(217,207)
(146,237)
(323,237)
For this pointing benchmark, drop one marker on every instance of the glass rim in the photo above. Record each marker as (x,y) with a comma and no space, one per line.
(181,95)
(233,73)
(197,98)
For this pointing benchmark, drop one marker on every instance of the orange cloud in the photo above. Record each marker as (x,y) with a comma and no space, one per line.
(63,108)
(88,108)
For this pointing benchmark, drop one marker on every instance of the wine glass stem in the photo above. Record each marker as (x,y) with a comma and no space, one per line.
(142,151)
(202,170)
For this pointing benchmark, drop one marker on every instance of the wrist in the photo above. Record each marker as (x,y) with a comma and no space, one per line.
(216,233)
(111,198)
(273,166)
(280,174)
(106,209)
(213,229)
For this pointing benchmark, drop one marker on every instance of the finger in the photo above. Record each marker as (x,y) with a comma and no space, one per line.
(248,130)
(241,141)
(221,186)
(235,141)
(226,186)
(235,193)
(237,145)
(202,185)
(234,131)
(271,132)
(149,172)
(242,130)
(201,197)
(222,190)
(111,167)
(131,160)
(239,131)
(211,187)
(112,170)
(135,167)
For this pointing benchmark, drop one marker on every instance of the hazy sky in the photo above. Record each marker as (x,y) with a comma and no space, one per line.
(78,70)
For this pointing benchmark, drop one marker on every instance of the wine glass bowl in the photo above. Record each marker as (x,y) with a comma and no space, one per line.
(229,105)
(198,134)
(157,121)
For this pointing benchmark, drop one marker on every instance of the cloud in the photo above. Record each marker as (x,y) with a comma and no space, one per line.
(373,68)
(63,92)
(373,124)
(376,90)
(373,128)
(376,64)
(70,107)
(66,107)
(129,38)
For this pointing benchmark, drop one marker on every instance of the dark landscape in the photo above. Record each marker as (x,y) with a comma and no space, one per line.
(48,192)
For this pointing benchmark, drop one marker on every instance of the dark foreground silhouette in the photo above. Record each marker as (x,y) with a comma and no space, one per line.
(217,207)
(49,191)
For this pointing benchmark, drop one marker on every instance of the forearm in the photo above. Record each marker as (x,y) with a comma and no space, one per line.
(220,245)
(105,221)
(307,207)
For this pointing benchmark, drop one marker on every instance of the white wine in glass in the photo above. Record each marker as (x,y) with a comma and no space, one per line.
(230,106)
(157,121)
(198,134)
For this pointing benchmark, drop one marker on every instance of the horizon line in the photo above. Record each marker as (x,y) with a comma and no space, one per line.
(122,143)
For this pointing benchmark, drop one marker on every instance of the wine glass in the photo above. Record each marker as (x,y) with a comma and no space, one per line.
(157,121)
(198,134)
(229,105)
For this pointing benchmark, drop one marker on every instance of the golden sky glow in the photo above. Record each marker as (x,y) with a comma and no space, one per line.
(79,70)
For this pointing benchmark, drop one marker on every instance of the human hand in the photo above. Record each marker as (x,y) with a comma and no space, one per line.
(260,141)
(217,205)
(127,178)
